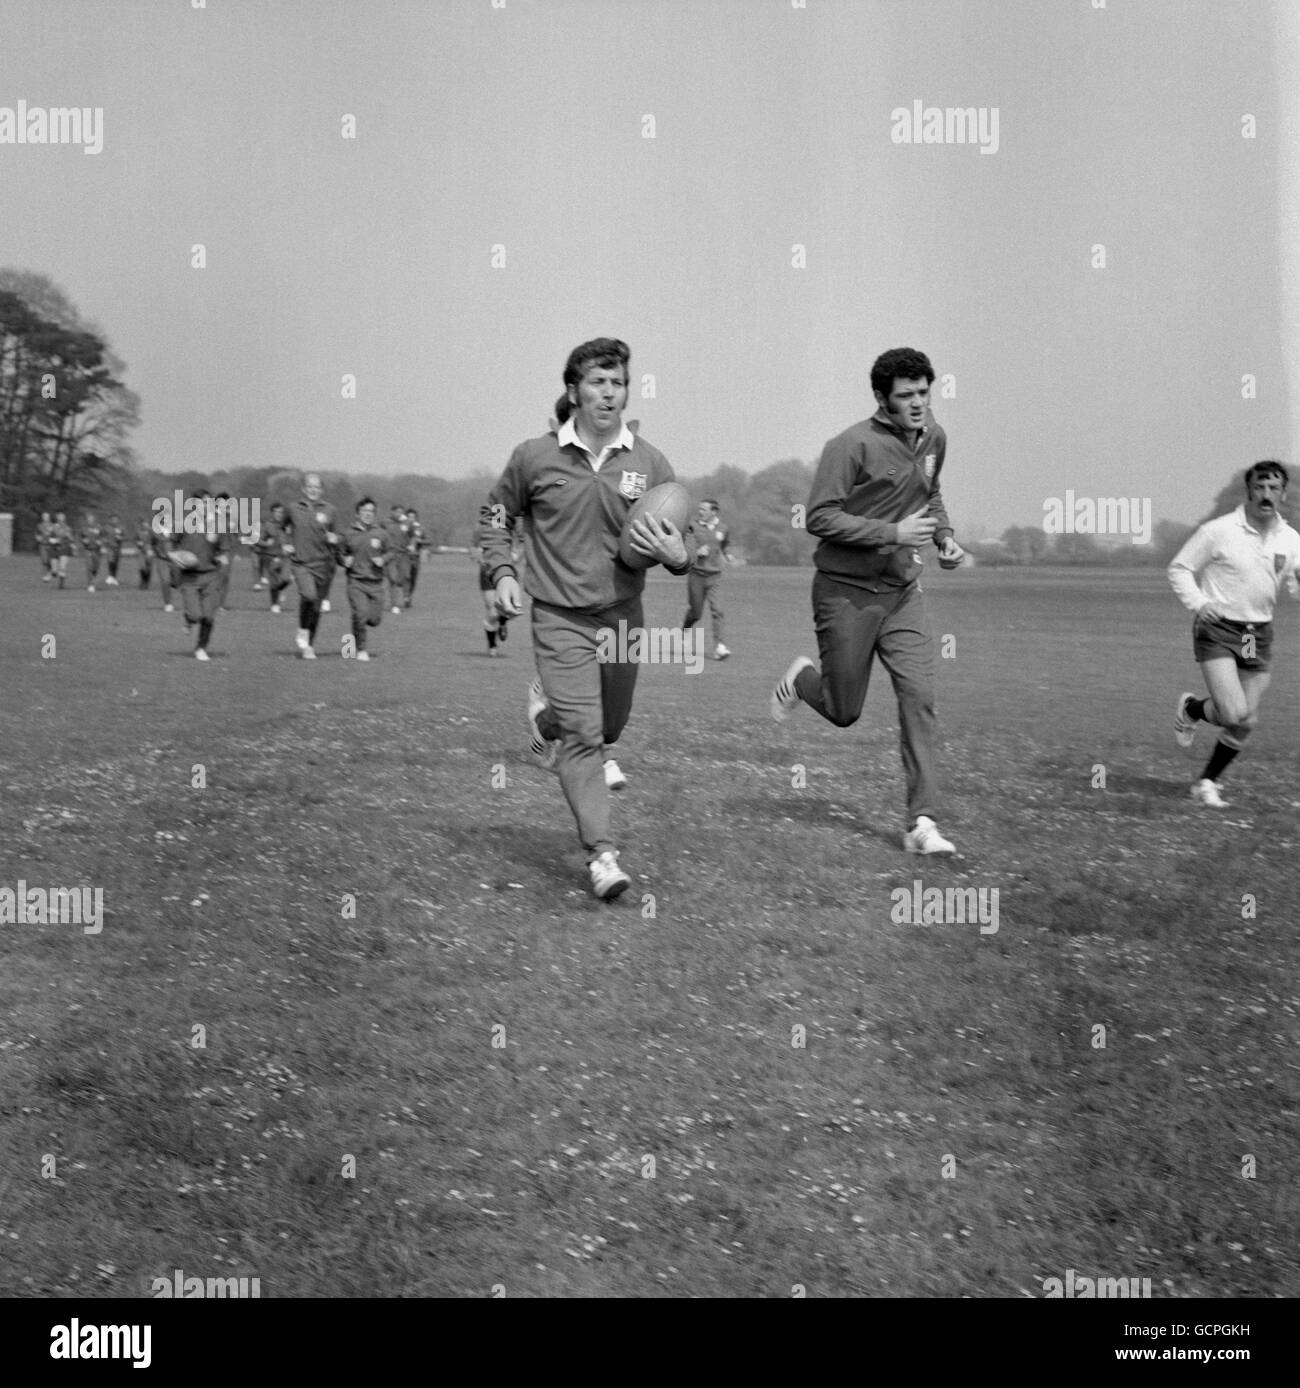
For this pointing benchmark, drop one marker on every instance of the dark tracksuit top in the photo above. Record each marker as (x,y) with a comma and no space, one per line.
(868,480)
(305,526)
(365,544)
(574,517)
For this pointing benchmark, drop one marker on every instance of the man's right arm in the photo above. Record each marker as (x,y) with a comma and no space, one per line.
(837,473)
(506,502)
(1184,567)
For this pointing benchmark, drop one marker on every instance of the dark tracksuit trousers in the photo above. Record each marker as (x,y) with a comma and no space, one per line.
(854,625)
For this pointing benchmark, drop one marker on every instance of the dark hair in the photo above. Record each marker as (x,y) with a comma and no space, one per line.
(278,506)
(708,501)
(600,351)
(411,511)
(901,363)
(1266,467)
(365,501)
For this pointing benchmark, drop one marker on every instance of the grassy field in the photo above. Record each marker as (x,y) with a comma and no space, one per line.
(556,1097)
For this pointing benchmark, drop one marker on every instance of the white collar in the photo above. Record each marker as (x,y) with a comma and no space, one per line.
(569,434)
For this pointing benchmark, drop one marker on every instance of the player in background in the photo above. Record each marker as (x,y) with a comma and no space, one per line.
(575,488)
(92,546)
(225,521)
(202,585)
(874,500)
(398,566)
(311,539)
(271,541)
(167,572)
(1229,574)
(495,621)
(62,544)
(144,552)
(44,544)
(114,536)
(363,554)
(711,558)
(415,544)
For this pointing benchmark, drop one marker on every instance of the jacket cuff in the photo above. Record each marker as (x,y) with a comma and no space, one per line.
(503,571)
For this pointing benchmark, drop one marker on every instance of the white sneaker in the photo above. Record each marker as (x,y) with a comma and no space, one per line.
(257,587)
(90,587)
(1184,726)
(363,655)
(110,583)
(720,652)
(45,578)
(1207,793)
(325,606)
(308,653)
(201,654)
(784,700)
(303,639)
(167,607)
(614,777)
(275,608)
(544,750)
(608,880)
(924,837)
(397,612)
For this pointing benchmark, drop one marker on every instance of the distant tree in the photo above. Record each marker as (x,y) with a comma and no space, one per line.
(766,532)
(66,416)
(1017,539)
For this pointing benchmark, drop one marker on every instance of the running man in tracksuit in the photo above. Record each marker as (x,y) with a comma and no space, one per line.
(114,536)
(576,487)
(92,546)
(363,553)
(62,544)
(702,581)
(203,583)
(874,500)
(272,554)
(144,552)
(414,550)
(44,545)
(399,568)
(311,539)
(166,569)
(1229,573)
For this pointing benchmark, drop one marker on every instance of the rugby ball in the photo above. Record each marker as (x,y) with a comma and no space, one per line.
(669,501)
(185,559)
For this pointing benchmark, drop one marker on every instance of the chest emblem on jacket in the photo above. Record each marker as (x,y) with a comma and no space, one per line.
(633,485)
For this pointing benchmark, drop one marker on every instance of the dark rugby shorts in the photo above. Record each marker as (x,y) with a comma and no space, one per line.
(1250,644)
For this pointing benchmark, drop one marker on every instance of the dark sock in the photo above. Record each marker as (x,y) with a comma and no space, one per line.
(492,638)
(205,633)
(1195,709)
(304,614)
(1219,761)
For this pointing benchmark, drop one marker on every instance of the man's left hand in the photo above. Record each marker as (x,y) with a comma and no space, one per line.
(658,540)
(950,553)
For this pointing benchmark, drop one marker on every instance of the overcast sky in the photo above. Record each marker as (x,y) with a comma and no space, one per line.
(524,125)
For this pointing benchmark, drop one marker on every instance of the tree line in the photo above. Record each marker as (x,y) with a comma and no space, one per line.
(66,417)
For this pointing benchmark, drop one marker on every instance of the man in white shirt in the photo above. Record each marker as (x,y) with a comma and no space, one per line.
(1229,574)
